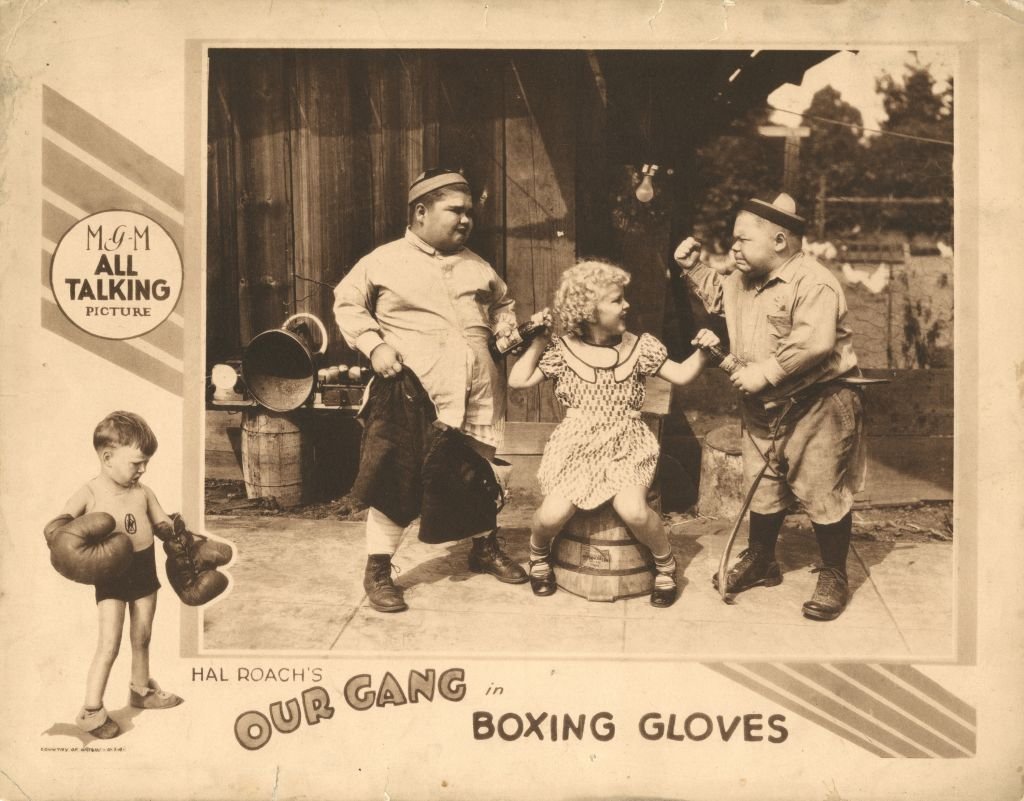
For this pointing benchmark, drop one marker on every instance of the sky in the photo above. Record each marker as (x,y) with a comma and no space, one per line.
(853,75)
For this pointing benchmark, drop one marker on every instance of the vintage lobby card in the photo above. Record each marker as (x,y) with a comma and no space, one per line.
(179,177)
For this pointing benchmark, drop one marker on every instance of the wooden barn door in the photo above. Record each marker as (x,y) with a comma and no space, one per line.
(249,234)
(540,197)
(311,153)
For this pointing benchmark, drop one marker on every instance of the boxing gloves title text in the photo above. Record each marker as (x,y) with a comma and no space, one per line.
(363,692)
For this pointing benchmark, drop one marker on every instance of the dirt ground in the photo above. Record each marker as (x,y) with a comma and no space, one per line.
(916,522)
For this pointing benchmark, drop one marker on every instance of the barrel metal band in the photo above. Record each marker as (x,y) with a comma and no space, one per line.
(585,540)
(591,571)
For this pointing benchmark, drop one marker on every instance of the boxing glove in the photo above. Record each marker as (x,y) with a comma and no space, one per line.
(55,525)
(194,586)
(86,549)
(195,583)
(206,553)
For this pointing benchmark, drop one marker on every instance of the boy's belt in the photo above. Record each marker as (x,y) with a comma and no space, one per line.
(852,379)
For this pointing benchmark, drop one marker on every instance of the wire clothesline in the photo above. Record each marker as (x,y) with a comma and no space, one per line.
(861,127)
(508,179)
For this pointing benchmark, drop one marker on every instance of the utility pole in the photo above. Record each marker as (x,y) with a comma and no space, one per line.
(791,162)
(819,209)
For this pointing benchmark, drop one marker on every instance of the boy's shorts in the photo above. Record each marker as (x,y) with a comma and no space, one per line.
(819,458)
(138,581)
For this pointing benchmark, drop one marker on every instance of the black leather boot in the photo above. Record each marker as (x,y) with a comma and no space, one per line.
(381,591)
(757,566)
(486,556)
(832,592)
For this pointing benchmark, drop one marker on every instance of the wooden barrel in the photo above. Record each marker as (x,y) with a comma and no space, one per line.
(721,473)
(276,457)
(596,557)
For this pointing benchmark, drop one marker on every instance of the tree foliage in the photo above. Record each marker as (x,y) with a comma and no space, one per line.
(895,166)
(833,152)
(730,169)
(743,164)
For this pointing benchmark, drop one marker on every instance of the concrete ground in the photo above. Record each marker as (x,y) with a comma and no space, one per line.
(297,585)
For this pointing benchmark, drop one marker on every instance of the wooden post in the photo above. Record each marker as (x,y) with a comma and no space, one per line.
(819,208)
(721,473)
(791,163)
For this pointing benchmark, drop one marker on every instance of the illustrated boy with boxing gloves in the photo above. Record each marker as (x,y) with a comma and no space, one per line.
(105,537)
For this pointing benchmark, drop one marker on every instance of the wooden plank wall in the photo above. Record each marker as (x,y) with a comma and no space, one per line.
(310,156)
(262,161)
(471,111)
(540,184)
(332,206)
(311,152)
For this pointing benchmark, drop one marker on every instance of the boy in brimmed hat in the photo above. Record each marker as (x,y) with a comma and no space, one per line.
(428,303)
(786,317)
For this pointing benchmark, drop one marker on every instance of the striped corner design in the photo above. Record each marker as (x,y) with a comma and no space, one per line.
(888,710)
(89,167)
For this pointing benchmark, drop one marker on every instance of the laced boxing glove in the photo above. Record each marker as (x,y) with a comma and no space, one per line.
(206,553)
(193,582)
(86,549)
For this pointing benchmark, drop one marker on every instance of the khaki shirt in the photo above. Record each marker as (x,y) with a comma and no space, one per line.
(438,312)
(791,324)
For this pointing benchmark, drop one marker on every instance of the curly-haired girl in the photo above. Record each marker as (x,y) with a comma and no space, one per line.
(602,449)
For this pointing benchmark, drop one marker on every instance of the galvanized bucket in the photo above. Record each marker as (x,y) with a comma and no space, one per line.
(279,366)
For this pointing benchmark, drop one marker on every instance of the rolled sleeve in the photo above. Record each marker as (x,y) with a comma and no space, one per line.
(812,337)
(367,341)
(503,307)
(773,371)
(706,284)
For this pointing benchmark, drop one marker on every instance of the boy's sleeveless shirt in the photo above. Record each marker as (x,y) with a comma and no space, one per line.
(128,507)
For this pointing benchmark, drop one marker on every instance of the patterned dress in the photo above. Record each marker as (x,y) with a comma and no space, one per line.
(602,446)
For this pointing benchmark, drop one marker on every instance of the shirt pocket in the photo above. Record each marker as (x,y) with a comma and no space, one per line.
(779,327)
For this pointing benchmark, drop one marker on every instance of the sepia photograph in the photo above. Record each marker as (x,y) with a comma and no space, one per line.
(576,175)
(497,401)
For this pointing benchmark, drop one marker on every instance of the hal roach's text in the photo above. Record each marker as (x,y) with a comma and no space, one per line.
(258,673)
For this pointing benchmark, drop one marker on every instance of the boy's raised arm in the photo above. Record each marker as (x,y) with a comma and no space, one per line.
(705,282)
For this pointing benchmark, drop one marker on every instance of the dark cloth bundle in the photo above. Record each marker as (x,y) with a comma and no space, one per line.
(461,496)
(411,465)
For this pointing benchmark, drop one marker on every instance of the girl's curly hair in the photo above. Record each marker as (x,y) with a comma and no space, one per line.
(581,289)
